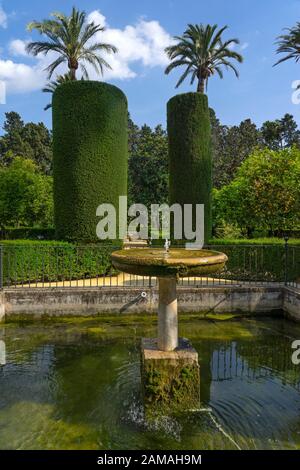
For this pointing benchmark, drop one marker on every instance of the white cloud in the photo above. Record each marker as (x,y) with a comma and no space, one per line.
(21,78)
(3,18)
(142,43)
(17,47)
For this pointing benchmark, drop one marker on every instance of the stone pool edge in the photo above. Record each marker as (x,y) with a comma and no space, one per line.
(52,302)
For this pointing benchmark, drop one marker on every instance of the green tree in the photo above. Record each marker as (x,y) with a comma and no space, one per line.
(290,134)
(29,140)
(71,38)
(265,193)
(148,165)
(231,146)
(203,52)
(26,197)
(280,133)
(12,143)
(133,136)
(38,137)
(271,134)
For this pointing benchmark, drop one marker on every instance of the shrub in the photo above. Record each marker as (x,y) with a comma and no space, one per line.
(190,152)
(25,195)
(265,194)
(227,230)
(27,261)
(29,233)
(256,262)
(90,155)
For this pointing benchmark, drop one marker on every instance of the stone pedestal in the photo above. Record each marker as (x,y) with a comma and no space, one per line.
(170,379)
(167,314)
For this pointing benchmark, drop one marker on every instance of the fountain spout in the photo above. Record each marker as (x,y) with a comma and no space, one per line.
(167,245)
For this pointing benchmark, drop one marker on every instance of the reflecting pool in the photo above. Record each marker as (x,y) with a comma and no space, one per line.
(75,384)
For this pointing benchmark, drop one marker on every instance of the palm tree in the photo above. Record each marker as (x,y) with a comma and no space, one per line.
(203,53)
(289,44)
(70,37)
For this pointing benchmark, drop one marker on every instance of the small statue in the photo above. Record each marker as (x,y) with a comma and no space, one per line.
(167,245)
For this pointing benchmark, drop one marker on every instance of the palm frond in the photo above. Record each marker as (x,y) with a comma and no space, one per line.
(51,68)
(187,71)
(203,52)
(289,44)
(69,37)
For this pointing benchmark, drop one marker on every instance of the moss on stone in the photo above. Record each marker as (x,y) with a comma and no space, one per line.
(169,386)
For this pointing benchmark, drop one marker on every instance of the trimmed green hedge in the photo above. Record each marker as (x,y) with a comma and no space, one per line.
(27,261)
(260,259)
(27,234)
(254,241)
(190,180)
(89,155)
(36,261)
(256,262)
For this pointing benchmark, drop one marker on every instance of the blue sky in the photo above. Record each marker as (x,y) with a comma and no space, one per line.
(142,28)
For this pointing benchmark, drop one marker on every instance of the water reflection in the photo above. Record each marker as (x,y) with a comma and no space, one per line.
(2,353)
(78,386)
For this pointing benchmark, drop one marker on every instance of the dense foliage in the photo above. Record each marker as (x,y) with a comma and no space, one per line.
(89,155)
(233,144)
(148,171)
(26,197)
(264,194)
(256,262)
(190,153)
(27,261)
(148,165)
(29,140)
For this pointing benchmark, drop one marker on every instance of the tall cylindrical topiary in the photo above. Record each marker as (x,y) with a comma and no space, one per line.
(89,155)
(190,153)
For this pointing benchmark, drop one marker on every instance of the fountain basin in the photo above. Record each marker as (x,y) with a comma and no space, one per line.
(177,262)
(167,359)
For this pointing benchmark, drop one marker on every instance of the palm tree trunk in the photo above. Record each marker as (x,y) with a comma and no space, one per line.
(73,73)
(201,85)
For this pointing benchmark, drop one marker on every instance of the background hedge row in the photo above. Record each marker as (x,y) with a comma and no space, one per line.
(29,261)
(32,261)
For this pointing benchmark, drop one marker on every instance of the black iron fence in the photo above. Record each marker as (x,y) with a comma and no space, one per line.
(66,265)
(272,356)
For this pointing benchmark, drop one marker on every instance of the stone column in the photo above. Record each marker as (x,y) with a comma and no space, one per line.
(167,314)
(169,366)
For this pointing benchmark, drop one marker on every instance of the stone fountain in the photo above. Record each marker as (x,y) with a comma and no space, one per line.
(170,369)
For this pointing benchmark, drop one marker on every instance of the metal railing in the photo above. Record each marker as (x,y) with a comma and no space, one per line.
(64,265)
(240,360)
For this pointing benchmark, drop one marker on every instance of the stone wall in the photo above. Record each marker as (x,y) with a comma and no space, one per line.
(37,302)
(291,303)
